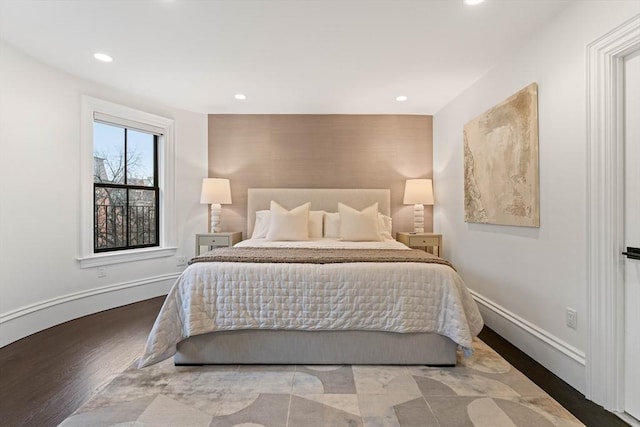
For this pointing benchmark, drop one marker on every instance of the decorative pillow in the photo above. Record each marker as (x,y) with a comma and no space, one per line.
(288,225)
(385,225)
(261,225)
(263,219)
(315,223)
(357,225)
(332,225)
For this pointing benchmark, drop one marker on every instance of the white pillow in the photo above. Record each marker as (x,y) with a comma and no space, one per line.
(332,225)
(263,219)
(385,225)
(316,219)
(289,225)
(261,226)
(358,226)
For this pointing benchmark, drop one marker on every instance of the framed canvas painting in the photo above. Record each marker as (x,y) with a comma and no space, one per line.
(501,181)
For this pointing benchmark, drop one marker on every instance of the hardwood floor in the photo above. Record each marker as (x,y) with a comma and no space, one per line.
(48,375)
(585,410)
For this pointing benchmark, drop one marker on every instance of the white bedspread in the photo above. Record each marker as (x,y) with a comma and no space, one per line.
(395,297)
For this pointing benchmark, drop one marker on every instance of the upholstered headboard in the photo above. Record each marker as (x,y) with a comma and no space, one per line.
(322,199)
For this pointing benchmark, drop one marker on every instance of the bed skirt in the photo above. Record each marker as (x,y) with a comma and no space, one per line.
(316,348)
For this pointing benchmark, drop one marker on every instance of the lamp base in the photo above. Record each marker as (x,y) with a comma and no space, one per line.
(216,214)
(418,218)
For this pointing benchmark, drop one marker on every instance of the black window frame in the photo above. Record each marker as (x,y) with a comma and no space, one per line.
(127,188)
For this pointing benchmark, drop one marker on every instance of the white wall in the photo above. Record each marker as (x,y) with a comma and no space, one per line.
(524,278)
(41,283)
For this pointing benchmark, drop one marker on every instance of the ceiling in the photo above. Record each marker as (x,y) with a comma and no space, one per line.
(296,56)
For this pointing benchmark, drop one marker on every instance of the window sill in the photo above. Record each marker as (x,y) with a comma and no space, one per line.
(119,257)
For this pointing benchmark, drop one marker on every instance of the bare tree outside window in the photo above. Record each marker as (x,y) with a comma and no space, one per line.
(126,192)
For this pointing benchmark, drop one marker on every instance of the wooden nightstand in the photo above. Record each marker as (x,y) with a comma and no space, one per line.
(421,240)
(216,240)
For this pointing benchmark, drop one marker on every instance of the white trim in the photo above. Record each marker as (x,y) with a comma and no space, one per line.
(119,257)
(541,334)
(605,215)
(42,305)
(628,419)
(24,321)
(166,159)
(131,124)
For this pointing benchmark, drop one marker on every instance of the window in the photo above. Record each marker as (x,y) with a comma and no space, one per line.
(127,189)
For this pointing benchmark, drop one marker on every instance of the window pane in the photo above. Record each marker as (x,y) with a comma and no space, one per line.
(108,153)
(140,154)
(109,218)
(142,217)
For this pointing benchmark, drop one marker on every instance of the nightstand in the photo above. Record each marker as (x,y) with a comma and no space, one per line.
(421,240)
(216,240)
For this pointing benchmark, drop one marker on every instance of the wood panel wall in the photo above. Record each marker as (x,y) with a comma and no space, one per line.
(320,151)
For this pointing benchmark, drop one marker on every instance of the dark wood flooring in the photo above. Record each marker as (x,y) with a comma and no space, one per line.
(48,375)
(585,410)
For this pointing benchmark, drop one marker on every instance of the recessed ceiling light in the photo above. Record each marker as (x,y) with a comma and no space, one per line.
(401,98)
(473,2)
(240,96)
(102,57)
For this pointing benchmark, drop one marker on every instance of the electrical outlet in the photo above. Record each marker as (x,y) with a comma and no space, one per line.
(102,272)
(181,261)
(572,318)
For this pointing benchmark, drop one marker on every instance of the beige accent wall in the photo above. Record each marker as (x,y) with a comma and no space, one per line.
(320,151)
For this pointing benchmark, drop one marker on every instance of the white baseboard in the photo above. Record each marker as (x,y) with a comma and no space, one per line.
(24,321)
(628,419)
(561,358)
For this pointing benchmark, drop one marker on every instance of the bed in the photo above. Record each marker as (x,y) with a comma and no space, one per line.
(230,308)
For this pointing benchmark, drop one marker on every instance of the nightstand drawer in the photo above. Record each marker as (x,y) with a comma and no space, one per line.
(213,241)
(423,241)
(222,239)
(428,241)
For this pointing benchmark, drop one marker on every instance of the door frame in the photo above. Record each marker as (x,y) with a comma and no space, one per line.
(605,214)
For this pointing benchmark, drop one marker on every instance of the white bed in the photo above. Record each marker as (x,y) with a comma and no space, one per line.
(336,313)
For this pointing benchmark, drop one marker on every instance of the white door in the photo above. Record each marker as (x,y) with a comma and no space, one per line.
(632,234)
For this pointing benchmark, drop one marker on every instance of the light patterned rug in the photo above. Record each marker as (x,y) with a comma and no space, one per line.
(482,391)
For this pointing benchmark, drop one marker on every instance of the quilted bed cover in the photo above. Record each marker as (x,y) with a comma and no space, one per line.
(394,297)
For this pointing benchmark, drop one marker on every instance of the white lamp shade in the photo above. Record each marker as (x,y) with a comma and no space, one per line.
(216,191)
(418,192)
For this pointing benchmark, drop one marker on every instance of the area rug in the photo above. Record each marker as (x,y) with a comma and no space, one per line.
(482,391)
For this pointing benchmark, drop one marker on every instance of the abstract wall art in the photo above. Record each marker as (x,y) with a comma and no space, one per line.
(501,181)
